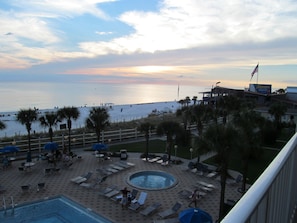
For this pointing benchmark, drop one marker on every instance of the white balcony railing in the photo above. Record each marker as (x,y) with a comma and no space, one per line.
(273,197)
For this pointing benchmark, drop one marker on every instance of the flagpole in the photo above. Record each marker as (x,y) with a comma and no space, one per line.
(258,73)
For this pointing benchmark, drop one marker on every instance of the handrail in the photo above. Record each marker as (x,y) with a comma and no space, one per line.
(274,188)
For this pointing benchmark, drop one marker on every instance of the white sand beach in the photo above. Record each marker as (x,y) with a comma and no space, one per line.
(118,113)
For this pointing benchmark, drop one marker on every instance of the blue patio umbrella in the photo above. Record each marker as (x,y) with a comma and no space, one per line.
(51,146)
(194,215)
(100,146)
(9,149)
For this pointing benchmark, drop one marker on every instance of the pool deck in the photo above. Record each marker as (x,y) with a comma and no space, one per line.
(59,183)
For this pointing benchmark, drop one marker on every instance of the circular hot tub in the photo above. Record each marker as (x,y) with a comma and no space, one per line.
(152,180)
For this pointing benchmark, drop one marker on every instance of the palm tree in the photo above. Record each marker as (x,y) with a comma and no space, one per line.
(69,113)
(185,114)
(221,138)
(194,99)
(49,120)
(277,109)
(170,129)
(98,119)
(201,114)
(26,117)
(249,123)
(146,128)
(227,105)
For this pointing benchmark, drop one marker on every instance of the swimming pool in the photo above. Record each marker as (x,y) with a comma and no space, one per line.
(54,210)
(152,180)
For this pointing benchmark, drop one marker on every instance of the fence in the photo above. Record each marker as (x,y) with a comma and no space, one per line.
(83,140)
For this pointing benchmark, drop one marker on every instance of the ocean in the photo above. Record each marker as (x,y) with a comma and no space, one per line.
(127,101)
(19,95)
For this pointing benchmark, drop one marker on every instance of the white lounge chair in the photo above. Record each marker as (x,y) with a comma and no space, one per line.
(81,179)
(150,209)
(136,204)
(171,211)
(168,220)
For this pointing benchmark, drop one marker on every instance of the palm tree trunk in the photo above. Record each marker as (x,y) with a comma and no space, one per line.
(29,141)
(244,174)
(98,133)
(146,145)
(169,148)
(51,133)
(69,140)
(223,187)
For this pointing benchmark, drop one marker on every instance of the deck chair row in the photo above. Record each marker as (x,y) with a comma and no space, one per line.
(136,202)
(115,167)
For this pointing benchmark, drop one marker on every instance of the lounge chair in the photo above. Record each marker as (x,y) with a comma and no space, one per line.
(133,194)
(206,184)
(103,171)
(22,168)
(168,220)
(116,167)
(106,190)
(154,159)
(171,211)
(112,193)
(150,209)
(2,189)
(204,188)
(122,164)
(93,185)
(110,169)
(25,188)
(185,194)
(81,179)
(235,181)
(136,204)
(40,186)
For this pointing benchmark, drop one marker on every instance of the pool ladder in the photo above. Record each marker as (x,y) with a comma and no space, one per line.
(12,205)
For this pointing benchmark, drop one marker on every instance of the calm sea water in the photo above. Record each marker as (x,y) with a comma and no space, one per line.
(15,96)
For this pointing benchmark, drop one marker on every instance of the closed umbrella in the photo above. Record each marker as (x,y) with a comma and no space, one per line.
(52,146)
(100,146)
(194,215)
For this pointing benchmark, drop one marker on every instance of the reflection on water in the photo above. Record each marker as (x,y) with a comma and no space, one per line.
(14,96)
(152,180)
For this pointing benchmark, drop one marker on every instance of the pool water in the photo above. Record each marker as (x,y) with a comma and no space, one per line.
(152,180)
(55,210)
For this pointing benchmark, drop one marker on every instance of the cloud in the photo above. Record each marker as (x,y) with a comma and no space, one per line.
(103,33)
(65,8)
(200,23)
(194,33)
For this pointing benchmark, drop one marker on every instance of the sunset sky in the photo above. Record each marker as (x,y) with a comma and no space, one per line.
(195,42)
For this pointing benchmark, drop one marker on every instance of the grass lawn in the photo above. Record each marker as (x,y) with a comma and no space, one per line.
(256,166)
(155,146)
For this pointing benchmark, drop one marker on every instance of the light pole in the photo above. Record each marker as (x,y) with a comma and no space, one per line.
(198,156)
(191,151)
(175,149)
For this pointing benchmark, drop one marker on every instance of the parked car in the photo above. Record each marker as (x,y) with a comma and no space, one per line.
(123,154)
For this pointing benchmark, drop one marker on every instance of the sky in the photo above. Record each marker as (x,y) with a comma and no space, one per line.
(192,42)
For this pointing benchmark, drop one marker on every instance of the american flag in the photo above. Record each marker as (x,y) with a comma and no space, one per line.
(255,71)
